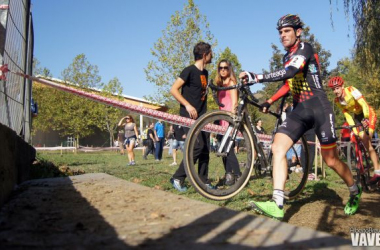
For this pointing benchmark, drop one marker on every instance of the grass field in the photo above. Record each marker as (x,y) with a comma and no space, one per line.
(157,174)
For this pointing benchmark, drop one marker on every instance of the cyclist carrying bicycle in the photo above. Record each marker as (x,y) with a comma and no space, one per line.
(311,109)
(350,100)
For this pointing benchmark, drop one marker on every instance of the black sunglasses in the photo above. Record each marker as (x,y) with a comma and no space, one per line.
(226,68)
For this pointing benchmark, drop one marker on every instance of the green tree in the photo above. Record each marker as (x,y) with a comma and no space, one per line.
(110,116)
(367,32)
(82,73)
(74,115)
(350,70)
(40,95)
(174,51)
(38,70)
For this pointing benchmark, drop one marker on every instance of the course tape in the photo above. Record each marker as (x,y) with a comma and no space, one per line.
(159,115)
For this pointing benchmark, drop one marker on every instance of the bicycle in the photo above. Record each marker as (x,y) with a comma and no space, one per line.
(253,163)
(376,145)
(357,156)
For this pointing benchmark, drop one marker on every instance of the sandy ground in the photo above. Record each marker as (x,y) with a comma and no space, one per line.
(99,211)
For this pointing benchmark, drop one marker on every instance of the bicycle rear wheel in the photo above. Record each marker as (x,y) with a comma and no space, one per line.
(220,185)
(298,170)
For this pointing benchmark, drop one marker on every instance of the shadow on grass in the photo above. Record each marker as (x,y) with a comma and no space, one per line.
(46,169)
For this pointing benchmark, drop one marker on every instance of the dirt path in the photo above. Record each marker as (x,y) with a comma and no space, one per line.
(99,211)
(327,214)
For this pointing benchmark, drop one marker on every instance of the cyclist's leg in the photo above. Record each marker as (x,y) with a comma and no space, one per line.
(274,208)
(324,124)
(372,153)
(331,158)
(280,147)
(286,136)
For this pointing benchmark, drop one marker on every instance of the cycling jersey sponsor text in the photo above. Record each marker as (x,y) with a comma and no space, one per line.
(316,81)
(279,73)
(332,125)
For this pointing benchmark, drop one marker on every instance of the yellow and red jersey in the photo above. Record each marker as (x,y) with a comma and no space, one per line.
(354,102)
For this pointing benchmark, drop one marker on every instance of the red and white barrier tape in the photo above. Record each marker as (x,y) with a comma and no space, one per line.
(174,119)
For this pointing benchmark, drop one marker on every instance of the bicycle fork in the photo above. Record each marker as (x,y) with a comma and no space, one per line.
(228,138)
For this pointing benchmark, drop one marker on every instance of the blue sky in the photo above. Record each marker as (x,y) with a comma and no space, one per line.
(117,35)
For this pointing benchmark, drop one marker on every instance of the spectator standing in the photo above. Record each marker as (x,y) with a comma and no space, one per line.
(131,133)
(170,138)
(226,78)
(259,127)
(178,142)
(159,133)
(150,140)
(193,103)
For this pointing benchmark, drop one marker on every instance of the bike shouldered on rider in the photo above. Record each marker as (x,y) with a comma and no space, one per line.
(301,77)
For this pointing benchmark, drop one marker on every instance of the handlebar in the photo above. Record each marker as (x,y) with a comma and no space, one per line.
(350,127)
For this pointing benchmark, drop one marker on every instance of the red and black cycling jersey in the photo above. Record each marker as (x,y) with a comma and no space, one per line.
(301,74)
(311,108)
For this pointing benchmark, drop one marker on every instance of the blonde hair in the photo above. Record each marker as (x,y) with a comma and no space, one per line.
(231,73)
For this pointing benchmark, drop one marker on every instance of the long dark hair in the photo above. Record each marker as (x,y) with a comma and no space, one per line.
(231,75)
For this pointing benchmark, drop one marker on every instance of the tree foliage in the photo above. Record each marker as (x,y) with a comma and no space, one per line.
(38,70)
(350,70)
(82,73)
(66,113)
(366,15)
(108,116)
(174,50)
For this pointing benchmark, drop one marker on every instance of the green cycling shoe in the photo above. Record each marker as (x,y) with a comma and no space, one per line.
(353,203)
(268,208)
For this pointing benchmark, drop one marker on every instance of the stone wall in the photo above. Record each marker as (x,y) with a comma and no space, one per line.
(16,158)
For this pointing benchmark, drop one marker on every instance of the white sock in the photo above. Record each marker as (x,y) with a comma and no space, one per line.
(353,189)
(278,197)
(377,171)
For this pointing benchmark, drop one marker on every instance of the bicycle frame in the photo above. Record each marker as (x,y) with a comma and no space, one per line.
(359,147)
(246,98)
(222,183)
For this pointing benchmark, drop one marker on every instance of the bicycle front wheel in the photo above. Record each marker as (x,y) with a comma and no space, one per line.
(228,171)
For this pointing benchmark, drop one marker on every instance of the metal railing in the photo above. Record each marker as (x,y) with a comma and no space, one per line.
(16,50)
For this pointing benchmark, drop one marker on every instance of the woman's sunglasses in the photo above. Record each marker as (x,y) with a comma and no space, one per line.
(226,68)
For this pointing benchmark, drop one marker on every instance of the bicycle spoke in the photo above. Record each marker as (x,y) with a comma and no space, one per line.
(228,172)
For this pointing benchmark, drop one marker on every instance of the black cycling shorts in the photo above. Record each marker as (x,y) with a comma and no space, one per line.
(315,113)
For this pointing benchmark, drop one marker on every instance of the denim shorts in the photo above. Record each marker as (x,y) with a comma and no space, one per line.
(178,144)
(130,139)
